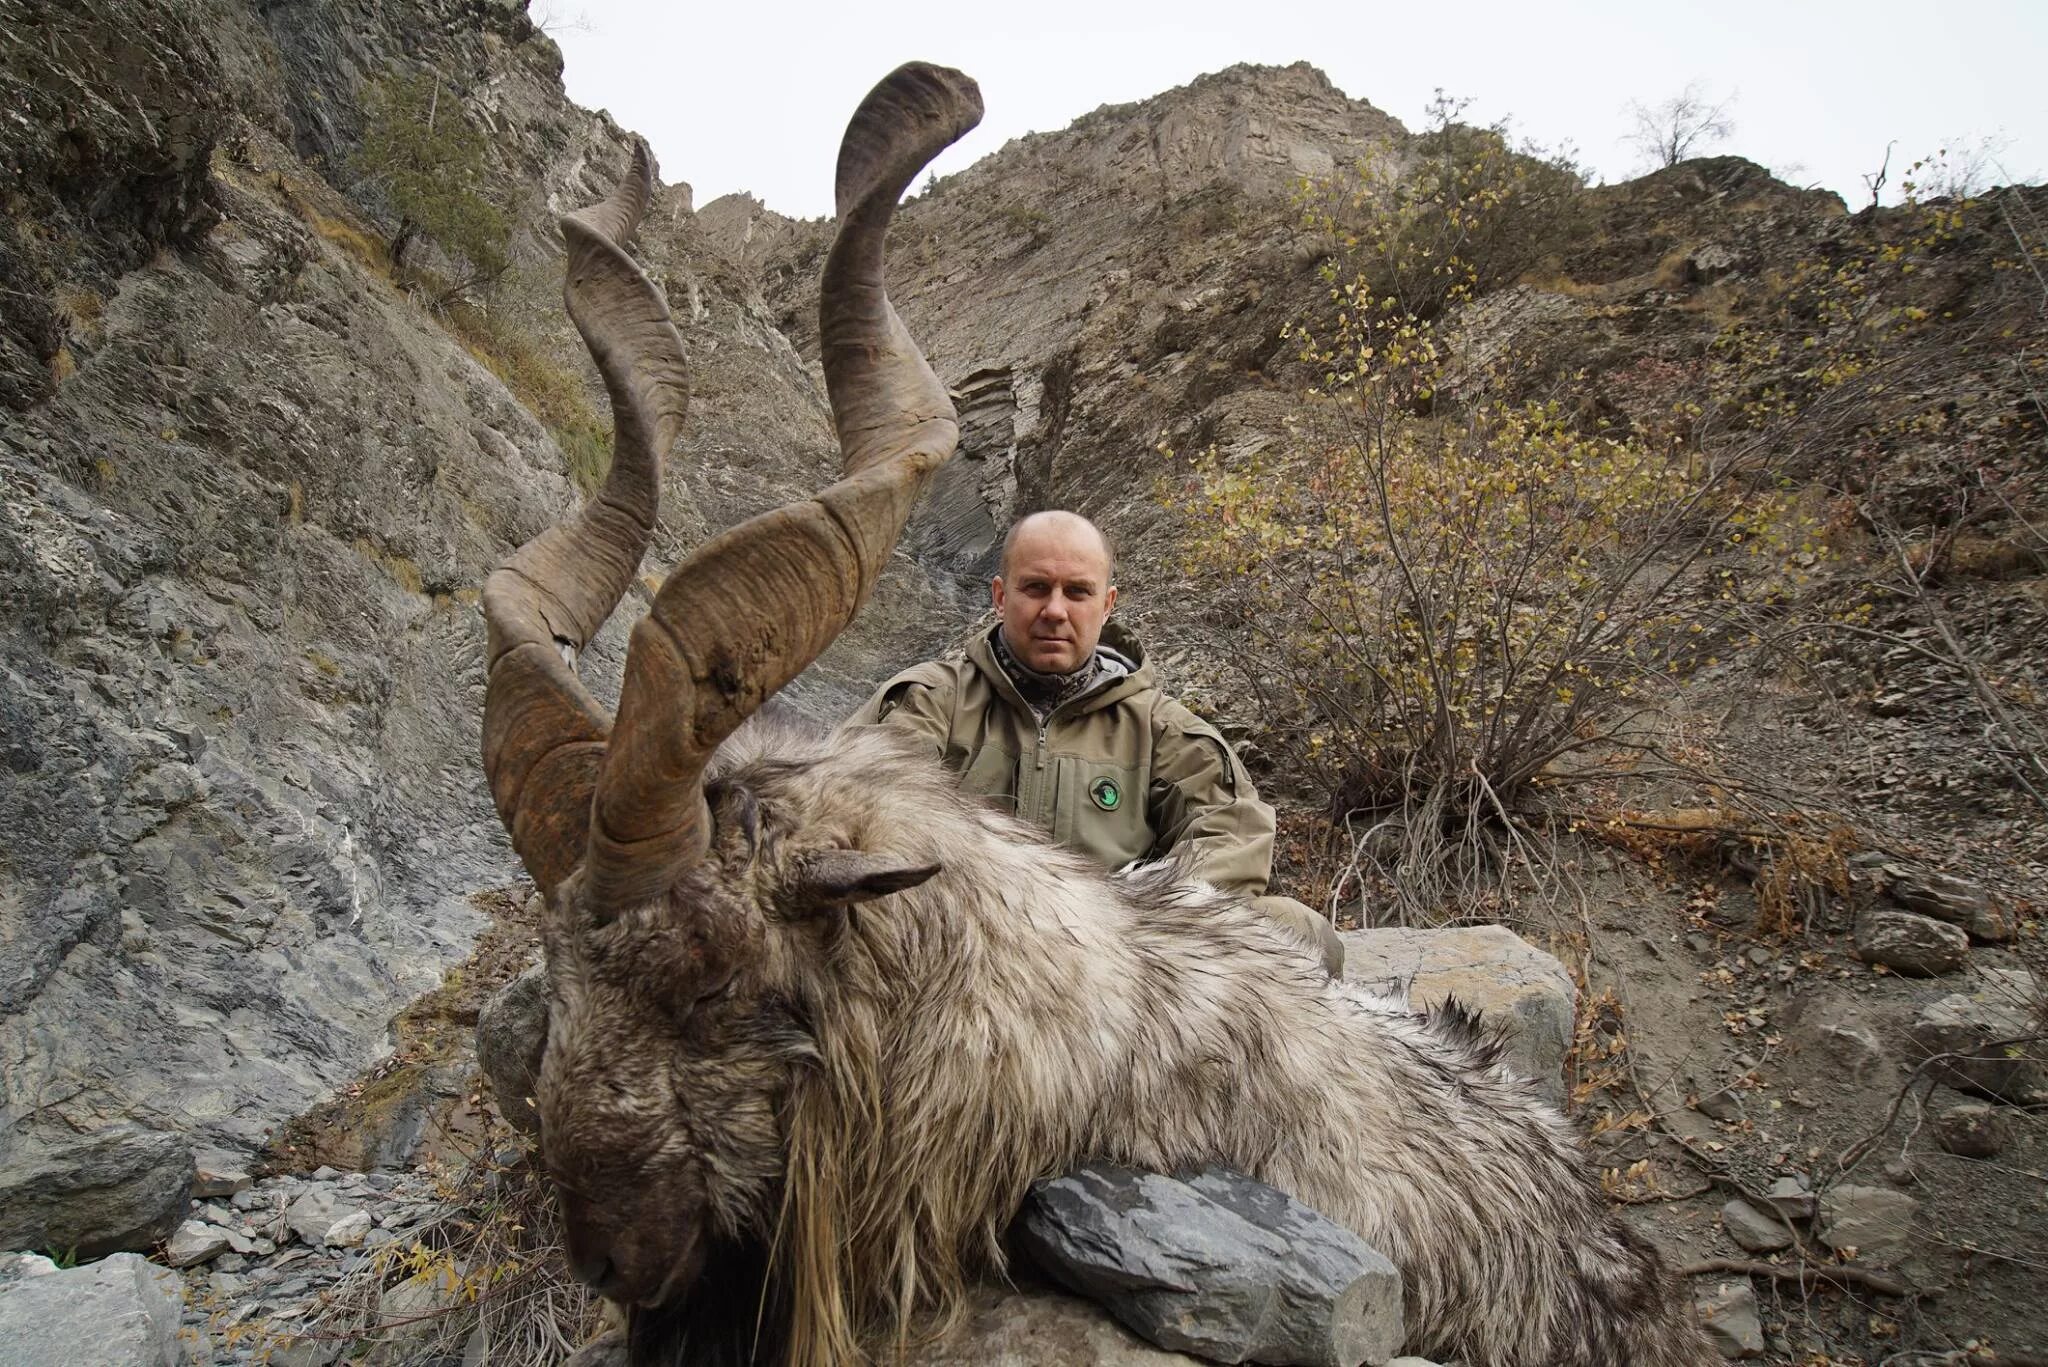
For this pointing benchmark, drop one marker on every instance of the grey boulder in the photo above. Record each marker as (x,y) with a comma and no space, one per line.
(1973,1130)
(511,1034)
(119,1312)
(1217,1265)
(1909,943)
(1973,1039)
(120,1189)
(1514,987)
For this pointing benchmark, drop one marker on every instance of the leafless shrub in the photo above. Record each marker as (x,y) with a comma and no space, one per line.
(1683,126)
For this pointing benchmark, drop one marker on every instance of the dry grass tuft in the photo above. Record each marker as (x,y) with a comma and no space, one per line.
(490,1264)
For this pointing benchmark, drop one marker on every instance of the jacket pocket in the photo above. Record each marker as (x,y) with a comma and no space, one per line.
(1099,810)
(992,774)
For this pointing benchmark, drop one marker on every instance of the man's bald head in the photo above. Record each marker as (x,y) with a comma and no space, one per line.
(1064,526)
(1055,592)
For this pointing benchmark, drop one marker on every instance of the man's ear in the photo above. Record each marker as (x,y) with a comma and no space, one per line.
(995,592)
(840,878)
(1109,600)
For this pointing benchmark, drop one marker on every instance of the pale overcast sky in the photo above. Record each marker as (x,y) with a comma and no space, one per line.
(753,96)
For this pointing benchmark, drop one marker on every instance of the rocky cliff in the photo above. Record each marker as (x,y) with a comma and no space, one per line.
(250,489)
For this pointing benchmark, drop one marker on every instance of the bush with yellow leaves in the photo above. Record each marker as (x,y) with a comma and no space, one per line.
(1447,591)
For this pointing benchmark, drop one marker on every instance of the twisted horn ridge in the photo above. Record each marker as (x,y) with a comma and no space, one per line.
(544,735)
(750,609)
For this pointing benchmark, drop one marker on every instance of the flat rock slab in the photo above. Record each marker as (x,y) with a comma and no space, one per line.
(1951,899)
(1876,1222)
(1512,984)
(1759,1231)
(1728,1311)
(1216,1265)
(112,1313)
(1908,942)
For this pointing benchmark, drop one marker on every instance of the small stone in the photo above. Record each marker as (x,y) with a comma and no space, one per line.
(263,1247)
(1516,988)
(316,1213)
(1758,1231)
(230,1262)
(1723,1105)
(323,1173)
(1995,924)
(1761,956)
(1940,895)
(1792,1197)
(1973,1130)
(218,1174)
(247,1200)
(350,1230)
(194,1242)
(1875,1221)
(1849,1053)
(1728,1313)
(1908,943)
(377,1238)
(1698,943)
(304,1353)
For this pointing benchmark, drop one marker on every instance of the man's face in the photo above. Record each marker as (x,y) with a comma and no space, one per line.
(1055,594)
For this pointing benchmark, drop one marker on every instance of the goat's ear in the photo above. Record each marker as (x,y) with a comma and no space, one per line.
(840,878)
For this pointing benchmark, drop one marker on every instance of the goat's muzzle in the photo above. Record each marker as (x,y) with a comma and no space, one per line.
(649,1262)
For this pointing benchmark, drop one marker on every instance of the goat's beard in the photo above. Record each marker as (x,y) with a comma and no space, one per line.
(729,1315)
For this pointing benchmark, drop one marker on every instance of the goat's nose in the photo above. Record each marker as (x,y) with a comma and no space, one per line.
(594,1269)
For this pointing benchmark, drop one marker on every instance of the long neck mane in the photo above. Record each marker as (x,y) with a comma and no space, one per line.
(1017,1015)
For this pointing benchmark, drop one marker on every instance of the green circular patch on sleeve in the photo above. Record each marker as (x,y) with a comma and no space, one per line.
(1106,794)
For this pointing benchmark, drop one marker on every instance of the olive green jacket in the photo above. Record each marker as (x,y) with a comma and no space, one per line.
(1121,773)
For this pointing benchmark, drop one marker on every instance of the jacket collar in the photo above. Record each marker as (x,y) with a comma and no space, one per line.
(1116,642)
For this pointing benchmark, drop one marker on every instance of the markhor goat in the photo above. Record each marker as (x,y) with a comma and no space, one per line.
(817,1020)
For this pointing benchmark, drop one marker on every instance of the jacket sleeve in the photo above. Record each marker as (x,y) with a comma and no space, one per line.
(1203,803)
(917,702)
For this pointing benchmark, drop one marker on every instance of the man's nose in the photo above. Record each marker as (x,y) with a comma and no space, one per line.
(1056,607)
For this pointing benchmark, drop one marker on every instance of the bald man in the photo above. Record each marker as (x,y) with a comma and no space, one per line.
(1076,737)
